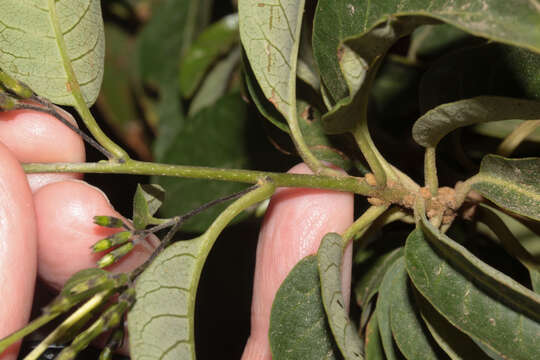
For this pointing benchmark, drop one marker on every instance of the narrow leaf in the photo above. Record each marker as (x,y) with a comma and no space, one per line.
(47,43)
(408,330)
(477,299)
(511,184)
(146,202)
(430,128)
(298,325)
(213,42)
(384,303)
(373,344)
(329,259)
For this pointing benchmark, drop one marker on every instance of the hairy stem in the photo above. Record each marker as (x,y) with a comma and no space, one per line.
(430,171)
(363,222)
(520,133)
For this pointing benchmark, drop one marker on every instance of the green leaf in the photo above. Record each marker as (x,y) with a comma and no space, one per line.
(161,321)
(384,303)
(369,283)
(219,136)
(329,259)
(456,344)
(472,72)
(511,184)
(501,129)
(273,30)
(44,44)
(146,202)
(409,332)
(430,128)
(298,325)
(216,82)
(429,41)
(480,301)
(373,344)
(339,21)
(212,43)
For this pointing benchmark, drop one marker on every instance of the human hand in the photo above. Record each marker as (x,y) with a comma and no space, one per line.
(46,220)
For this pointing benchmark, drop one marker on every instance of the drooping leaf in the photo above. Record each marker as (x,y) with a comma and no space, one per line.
(384,303)
(471,72)
(345,21)
(369,283)
(216,83)
(408,330)
(345,333)
(219,136)
(298,326)
(273,30)
(431,127)
(429,41)
(480,301)
(146,202)
(511,184)
(373,344)
(45,44)
(456,344)
(213,42)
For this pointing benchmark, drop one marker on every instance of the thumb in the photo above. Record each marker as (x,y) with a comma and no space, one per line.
(293,227)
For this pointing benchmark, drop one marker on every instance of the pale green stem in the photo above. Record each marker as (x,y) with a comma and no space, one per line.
(520,133)
(363,222)
(74,87)
(367,147)
(430,171)
(343,183)
(34,325)
(463,189)
(67,324)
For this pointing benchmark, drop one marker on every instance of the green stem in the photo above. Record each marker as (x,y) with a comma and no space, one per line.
(520,133)
(34,325)
(463,189)
(367,147)
(430,171)
(363,222)
(343,183)
(80,103)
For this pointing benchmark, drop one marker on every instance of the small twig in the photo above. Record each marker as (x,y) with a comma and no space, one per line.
(48,109)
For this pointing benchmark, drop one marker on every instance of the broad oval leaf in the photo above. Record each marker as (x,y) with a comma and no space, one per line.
(408,330)
(298,325)
(480,301)
(273,30)
(329,259)
(430,128)
(346,20)
(46,43)
(161,322)
(384,303)
(512,184)
(213,42)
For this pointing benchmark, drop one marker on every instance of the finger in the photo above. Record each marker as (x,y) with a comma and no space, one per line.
(66,231)
(293,227)
(34,136)
(17,248)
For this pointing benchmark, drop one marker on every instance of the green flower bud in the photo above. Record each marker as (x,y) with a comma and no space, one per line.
(112,240)
(6,101)
(108,221)
(15,86)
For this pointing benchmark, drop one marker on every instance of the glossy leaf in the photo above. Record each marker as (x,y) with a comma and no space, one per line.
(298,325)
(485,304)
(456,344)
(146,202)
(216,83)
(273,30)
(339,21)
(470,72)
(329,259)
(42,42)
(373,344)
(384,303)
(431,127)
(212,43)
(409,332)
(369,283)
(511,184)
(161,321)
